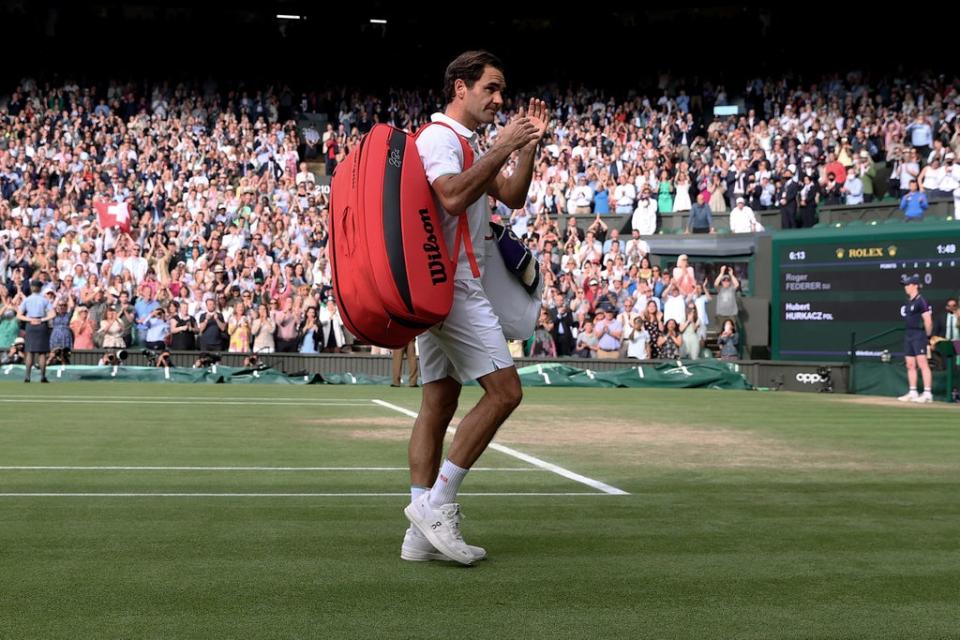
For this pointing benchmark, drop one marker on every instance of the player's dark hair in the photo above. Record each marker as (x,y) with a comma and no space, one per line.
(468,66)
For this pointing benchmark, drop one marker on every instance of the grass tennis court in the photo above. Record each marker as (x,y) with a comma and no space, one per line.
(748,515)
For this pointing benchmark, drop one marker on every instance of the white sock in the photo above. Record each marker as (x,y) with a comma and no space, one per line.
(447,485)
(416,491)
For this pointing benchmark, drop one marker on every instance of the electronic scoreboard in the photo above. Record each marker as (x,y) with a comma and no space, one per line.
(828,284)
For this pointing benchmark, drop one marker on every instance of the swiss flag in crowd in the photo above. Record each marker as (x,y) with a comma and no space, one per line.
(113,214)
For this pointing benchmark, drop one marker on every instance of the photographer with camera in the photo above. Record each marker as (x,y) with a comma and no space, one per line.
(205,360)
(37,312)
(157,357)
(14,354)
(113,358)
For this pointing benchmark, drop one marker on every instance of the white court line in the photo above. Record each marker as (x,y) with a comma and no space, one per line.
(537,462)
(284,469)
(161,397)
(405,494)
(232,403)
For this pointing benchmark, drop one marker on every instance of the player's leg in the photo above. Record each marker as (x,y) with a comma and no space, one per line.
(472,340)
(439,403)
(502,394)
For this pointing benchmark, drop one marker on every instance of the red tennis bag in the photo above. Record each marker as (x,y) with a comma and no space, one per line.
(392,274)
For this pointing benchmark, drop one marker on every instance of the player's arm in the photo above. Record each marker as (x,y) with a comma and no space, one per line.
(456,192)
(512,190)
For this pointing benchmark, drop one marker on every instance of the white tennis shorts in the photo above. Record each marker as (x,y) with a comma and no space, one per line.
(469,343)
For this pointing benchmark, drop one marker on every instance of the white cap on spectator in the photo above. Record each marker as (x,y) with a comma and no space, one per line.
(950,155)
(740,201)
(864,154)
(792,168)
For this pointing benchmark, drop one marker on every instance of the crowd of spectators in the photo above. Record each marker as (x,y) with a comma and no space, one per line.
(227,247)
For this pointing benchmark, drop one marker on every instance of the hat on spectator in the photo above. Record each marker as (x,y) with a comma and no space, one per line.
(740,199)
(792,168)
(218,268)
(19,341)
(950,156)
(593,281)
(864,154)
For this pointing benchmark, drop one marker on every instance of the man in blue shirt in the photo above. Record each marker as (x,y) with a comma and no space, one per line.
(37,312)
(144,308)
(701,220)
(919,318)
(914,203)
(609,331)
(157,330)
(921,135)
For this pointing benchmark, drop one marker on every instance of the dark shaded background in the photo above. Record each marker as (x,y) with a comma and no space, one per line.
(610,44)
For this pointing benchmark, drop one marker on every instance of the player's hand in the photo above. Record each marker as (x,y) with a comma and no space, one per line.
(539,116)
(518,133)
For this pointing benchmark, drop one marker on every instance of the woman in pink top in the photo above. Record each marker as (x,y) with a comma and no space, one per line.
(683,276)
(83,330)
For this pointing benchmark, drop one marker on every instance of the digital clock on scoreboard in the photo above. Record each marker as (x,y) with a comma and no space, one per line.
(829,284)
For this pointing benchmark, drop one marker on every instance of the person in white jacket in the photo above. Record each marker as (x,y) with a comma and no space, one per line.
(742,219)
(645,215)
(329,319)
